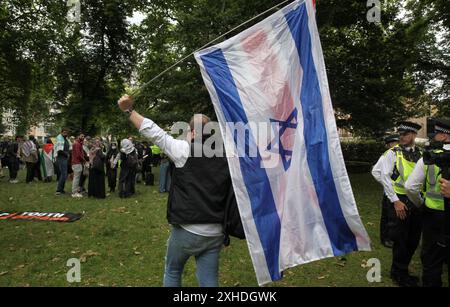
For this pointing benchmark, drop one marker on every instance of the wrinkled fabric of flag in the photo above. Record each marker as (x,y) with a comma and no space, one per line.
(301,208)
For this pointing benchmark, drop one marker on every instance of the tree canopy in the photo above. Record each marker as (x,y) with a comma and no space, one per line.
(378,73)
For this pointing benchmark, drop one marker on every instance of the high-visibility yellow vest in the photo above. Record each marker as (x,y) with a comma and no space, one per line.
(404,168)
(155,150)
(433,197)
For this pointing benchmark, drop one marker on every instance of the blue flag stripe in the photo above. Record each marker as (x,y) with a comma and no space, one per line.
(316,141)
(255,177)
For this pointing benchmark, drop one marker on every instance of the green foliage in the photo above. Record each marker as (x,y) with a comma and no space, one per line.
(363,151)
(434,64)
(92,72)
(378,73)
(78,69)
(28,40)
(372,68)
(174,29)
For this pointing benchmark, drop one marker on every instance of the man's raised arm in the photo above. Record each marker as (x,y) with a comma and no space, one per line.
(176,150)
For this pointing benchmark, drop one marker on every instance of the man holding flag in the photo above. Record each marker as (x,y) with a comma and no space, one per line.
(299,208)
(197,199)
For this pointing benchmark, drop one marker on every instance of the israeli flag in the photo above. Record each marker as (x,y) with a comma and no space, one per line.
(301,208)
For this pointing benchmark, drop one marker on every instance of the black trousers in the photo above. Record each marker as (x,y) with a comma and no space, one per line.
(37,169)
(96,184)
(406,236)
(31,171)
(146,169)
(435,251)
(127,182)
(13,167)
(112,178)
(386,221)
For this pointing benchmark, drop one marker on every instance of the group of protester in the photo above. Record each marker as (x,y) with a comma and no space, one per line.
(85,159)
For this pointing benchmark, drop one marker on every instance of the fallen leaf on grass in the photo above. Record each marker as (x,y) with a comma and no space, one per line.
(120,210)
(342,262)
(88,254)
(4,273)
(364,263)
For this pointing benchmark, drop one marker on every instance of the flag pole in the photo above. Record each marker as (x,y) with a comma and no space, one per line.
(138,91)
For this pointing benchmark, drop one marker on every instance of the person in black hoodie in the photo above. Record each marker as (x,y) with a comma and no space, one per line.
(96,185)
(128,169)
(147,163)
(37,166)
(112,159)
(12,158)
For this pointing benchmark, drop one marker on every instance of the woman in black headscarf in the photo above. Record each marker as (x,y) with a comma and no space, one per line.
(96,186)
(112,159)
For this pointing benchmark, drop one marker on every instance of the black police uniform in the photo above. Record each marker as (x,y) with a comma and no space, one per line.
(435,245)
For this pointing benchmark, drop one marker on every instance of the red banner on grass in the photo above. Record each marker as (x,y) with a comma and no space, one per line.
(41,216)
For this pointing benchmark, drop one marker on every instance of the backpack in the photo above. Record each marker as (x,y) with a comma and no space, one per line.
(232,224)
(132,160)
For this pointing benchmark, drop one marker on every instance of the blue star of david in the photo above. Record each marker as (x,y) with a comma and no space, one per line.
(289,123)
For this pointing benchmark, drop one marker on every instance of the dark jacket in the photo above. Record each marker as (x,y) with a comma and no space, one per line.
(199,191)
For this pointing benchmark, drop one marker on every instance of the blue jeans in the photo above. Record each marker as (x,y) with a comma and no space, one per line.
(164,177)
(181,246)
(62,165)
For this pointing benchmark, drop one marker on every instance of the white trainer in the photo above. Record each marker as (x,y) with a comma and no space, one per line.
(77,195)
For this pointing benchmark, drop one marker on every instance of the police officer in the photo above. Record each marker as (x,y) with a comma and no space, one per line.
(397,165)
(390,141)
(435,250)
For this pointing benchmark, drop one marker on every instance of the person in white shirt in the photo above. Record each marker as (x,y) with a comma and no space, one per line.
(397,165)
(427,177)
(386,206)
(197,199)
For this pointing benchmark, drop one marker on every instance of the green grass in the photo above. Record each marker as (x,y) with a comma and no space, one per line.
(127,240)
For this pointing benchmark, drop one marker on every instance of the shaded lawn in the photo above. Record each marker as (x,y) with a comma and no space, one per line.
(124,241)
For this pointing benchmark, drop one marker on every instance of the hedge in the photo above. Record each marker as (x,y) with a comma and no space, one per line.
(363,151)
(360,156)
